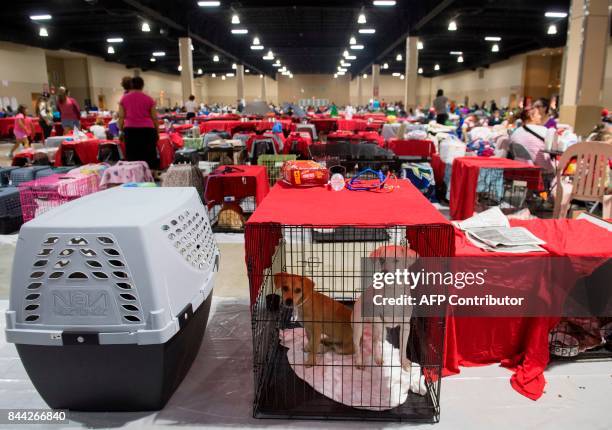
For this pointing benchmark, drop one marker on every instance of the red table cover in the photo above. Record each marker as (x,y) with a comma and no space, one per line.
(7,125)
(352,124)
(324,125)
(411,147)
(464,180)
(521,344)
(243,181)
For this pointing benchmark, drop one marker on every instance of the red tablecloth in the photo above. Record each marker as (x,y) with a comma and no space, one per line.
(411,148)
(7,125)
(464,180)
(287,124)
(520,344)
(90,120)
(324,125)
(218,125)
(352,124)
(243,181)
(431,235)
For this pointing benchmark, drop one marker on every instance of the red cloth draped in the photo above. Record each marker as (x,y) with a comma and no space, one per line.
(411,147)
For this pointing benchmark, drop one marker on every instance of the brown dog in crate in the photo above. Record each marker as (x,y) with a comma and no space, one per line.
(326,321)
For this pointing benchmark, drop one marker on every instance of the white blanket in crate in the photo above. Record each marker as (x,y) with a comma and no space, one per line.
(375,388)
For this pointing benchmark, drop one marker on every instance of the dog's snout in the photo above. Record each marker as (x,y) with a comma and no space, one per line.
(289,302)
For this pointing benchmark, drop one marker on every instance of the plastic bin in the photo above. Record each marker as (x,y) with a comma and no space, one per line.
(108,309)
(10,210)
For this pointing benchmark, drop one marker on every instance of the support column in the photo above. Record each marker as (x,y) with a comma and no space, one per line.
(584,64)
(375,81)
(411,73)
(186,67)
(264,96)
(240,82)
(359,90)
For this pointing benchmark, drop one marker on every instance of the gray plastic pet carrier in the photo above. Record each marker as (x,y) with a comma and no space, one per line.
(23,174)
(5,175)
(110,297)
(10,210)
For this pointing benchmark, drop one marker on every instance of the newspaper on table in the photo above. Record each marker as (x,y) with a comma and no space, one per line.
(491,231)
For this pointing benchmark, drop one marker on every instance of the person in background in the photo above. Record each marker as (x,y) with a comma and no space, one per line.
(439,105)
(138,121)
(531,135)
(496,118)
(69,109)
(493,106)
(113,126)
(126,83)
(45,116)
(191,107)
(98,129)
(22,129)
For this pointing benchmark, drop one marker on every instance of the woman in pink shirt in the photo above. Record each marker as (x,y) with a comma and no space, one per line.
(138,121)
(70,111)
(22,129)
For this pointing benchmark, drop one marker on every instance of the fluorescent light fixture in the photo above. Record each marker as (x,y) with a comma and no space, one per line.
(239,31)
(235,19)
(460,59)
(43,32)
(357,47)
(152,60)
(396,74)
(420,45)
(200,71)
(367,30)
(456,52)
(341,73)
(216,58)
(361,19)
(209,3)
(115,40)
(385,66)
(256,40)
(351,57)
(343,64)
(341,69)
(234,66)
(398,57)
(223,77)
(452,26)
(180,68)
(229,75)
(213,75)
(383,2)
(552,29)
(420,71)
(555,14)
(353,41)
(44,17)
(110,50)
(345,53)
(437,67)
(145,27)
(276,65)
(365,76)
(493,39)
(495,48)
(159,53)
(257,47)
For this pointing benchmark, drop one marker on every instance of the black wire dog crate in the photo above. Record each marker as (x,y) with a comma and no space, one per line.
(307,280)
(510,189)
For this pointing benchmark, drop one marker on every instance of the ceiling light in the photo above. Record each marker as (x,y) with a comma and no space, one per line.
(367,30)
(209,3)
(396,74)
(420,45)
(552,29)
(110,50)
(456,52)
(365,76)
(341,73)
(234,66)
(356,47)
(345,53)
(145,27)
(353,41)
(493,39)
(351,57)
(276,65)
(256,40)
(437,67)
(343,64)
(341,69)
(223,77)
(335,76)
(214,75)
(290,75)
(383,2)
(152,60)
(43,32)
(269,55)
(114,40)
(200,71)
(260,76)
(216,58)
(257,47)
(45,17)
(398,57)
(247,71)
(180,68)
(159,54)
(239,31)
(235,19)
(452,26)
(460,59)
(361,19)
(191,46)
(385,66)
(420,71)
(229,75)
(495,48)
(555,14)
(402,77)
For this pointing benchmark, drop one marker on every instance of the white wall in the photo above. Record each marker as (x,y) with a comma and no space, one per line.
(23,71)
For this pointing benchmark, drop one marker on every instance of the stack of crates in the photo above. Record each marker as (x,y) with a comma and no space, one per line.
(108,309)
(273,164)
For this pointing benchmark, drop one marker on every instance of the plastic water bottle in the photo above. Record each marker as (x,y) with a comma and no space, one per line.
(337,182)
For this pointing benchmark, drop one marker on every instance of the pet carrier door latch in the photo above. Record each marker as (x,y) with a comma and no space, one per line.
(74,338)
(185,315)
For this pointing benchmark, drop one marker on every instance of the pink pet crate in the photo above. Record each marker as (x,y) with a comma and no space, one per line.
(40,195)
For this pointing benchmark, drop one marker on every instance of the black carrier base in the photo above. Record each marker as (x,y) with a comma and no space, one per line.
(113,378)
